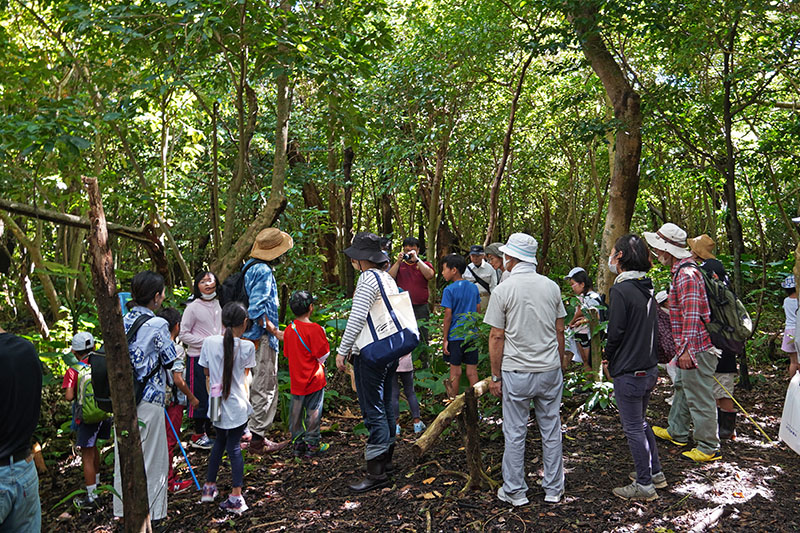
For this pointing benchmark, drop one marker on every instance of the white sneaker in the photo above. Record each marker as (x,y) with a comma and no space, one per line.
(514,499)
(554,498)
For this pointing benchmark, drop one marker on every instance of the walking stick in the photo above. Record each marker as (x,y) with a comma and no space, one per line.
(177,438)
(742,408)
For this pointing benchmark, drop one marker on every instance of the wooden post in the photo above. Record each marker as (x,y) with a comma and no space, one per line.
(426,441)
(120,375)
(472,441)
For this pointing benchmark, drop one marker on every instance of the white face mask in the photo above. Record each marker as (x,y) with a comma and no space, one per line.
(506,263)
(208,296)
(612,266)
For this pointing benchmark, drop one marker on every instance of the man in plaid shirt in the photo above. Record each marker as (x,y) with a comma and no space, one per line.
(697,357)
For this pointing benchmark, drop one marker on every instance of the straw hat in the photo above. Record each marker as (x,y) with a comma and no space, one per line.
(521,246)
(702,246)
(669,238)
(270,244)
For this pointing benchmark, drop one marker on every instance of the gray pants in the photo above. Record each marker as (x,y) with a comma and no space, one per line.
(544,388)
(694,403)
(264,388)
(633,393)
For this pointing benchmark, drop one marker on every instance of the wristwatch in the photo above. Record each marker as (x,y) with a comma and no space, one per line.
(495,379)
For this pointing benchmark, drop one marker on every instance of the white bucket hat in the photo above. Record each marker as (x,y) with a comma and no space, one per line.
(521,246)
(671,239)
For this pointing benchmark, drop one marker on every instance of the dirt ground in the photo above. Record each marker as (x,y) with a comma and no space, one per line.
(753,487)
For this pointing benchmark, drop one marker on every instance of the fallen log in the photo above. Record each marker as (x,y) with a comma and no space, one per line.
(426,441)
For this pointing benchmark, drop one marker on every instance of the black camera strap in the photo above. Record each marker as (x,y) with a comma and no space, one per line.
(480,281)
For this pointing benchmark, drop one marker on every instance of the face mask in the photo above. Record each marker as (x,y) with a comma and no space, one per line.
(506,264)
(208,296)
(612,266)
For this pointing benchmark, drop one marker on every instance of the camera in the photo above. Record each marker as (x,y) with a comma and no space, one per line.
(407,257)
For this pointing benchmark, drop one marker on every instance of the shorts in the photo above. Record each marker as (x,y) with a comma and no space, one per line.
(727,380)
(89,433)
(459,356)
(788,341)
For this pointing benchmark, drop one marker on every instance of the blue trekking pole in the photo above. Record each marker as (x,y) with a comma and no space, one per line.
(197,483)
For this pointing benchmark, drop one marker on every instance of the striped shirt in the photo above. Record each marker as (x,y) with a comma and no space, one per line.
(689,310)
(366,293)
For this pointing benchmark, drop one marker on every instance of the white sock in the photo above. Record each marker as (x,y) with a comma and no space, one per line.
(90,491)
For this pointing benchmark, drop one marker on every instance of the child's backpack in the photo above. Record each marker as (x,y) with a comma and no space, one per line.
(87,409)
(730,323)
(99,368)
(233,290)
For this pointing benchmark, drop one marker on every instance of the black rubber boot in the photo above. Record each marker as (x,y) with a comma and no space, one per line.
(389,467)
(727,424)
(376,475)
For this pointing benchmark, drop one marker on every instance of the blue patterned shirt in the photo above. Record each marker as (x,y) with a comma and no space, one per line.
(150,343)
(262,291)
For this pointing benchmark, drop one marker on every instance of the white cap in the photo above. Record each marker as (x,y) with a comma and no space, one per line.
(521,246)
(573,272)
(796,220)
(82,341)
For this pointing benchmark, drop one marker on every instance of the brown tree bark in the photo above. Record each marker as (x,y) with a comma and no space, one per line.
(120,375)
(348,276)
(472,445)
(494,191)
(624,183)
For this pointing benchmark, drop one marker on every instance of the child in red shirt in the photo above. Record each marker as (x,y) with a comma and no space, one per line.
(307,348)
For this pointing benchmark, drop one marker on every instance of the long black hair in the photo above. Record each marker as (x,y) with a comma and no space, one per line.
(144,287)
(582,277)
(233,315)
(198,278)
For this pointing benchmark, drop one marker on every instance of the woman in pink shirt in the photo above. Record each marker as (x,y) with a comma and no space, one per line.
(202,318)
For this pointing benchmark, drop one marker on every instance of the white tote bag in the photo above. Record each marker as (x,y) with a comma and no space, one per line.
(380,323)
(790,421)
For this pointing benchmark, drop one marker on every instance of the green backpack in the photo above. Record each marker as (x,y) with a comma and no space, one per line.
(88,411)
(730,325)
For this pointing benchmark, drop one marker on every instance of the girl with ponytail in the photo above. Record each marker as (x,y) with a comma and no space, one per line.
(227,359)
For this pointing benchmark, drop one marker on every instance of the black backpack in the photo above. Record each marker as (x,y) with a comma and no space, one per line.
(97,360)
(233,290)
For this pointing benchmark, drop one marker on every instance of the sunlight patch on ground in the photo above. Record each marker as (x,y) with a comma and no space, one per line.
(724,483)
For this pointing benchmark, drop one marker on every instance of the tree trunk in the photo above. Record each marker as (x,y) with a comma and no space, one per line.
(120,375)
(346,234)
(38,262)
(472,444)
(277,201)
(494,192)
(214,192)
(624,183)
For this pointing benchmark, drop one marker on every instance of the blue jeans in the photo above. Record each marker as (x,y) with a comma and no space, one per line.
(374,386)
(20,511)
(632,394)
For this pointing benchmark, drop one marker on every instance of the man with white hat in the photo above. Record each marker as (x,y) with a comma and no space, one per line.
(526,347)
(697,357)
(262,293)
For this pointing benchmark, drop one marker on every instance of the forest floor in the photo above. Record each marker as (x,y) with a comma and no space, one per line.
(753,487)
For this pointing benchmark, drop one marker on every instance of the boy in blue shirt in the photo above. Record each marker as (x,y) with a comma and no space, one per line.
(458,299)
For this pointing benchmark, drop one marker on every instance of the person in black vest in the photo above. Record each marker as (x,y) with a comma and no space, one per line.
(21,398)
(702,249)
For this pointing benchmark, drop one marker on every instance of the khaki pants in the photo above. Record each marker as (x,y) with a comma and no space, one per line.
(152,430)
(694,403)
(264,388)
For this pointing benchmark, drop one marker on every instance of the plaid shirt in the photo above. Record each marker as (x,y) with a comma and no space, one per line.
(689,310)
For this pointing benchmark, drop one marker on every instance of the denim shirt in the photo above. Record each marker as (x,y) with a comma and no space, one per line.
(150,343)
(262,292)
